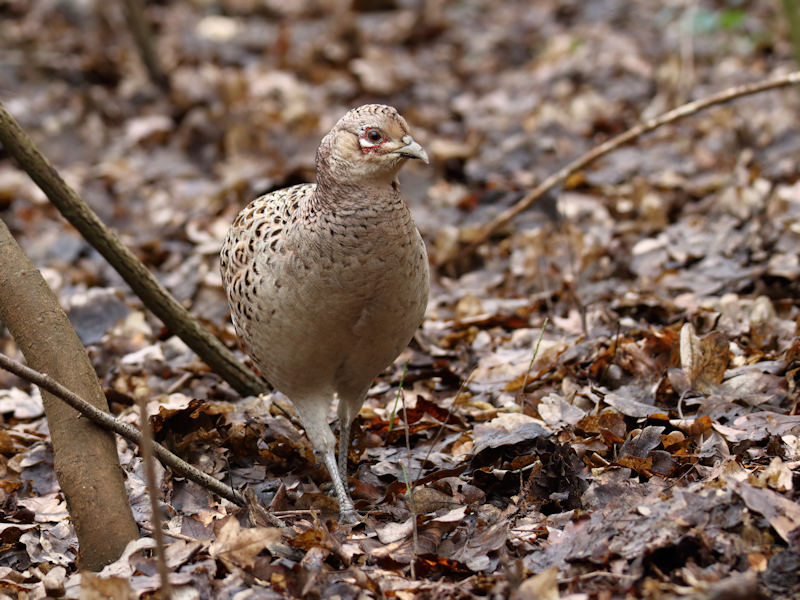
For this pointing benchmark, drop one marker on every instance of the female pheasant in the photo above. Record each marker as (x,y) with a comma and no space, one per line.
(327,283)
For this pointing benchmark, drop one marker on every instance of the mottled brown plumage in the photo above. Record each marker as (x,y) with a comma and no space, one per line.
(327,283)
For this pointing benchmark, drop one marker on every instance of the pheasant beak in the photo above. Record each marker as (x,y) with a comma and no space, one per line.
(411,149)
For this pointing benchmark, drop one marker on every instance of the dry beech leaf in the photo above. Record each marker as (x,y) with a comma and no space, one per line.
(319,502)
(543,586)
(641,445)
(428,500)
(782,513)
(609,421)
(392,532)
(778,476)
(96,588)
(558,413)
(691,353)
(54,582)
(429,536)
(318,536)
(402,551)
(237,547)
(631,407)
(475,553)
(704,360)
(640,465)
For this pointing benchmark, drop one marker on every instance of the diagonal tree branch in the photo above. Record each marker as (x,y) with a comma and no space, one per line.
(637,131)
(144,284)
(131,434)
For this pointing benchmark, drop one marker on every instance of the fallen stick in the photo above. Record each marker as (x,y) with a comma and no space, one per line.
(645,127)
(153,294)
(126,431)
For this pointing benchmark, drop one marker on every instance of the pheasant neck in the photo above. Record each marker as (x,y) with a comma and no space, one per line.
(343,184)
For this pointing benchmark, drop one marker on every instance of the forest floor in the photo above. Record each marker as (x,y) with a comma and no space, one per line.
(648,449)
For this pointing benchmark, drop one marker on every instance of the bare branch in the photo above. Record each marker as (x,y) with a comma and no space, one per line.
(137,23)
(129,433)
(152,491)
(651,124)
(144,284)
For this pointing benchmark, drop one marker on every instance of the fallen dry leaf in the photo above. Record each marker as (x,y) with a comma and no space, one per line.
(704,360)
(238,548)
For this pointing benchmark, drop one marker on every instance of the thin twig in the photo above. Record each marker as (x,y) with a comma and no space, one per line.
(397,397)
(446,418)
(137,23)
(174,535)
(533,358)
(687,72)
(152,491)
(410,487)
(614,143)
(126,431)
(593,575)
(276,402)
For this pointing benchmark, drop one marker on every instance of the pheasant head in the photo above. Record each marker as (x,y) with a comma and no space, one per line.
(368,145)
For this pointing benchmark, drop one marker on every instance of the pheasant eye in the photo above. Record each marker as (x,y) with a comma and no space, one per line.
(374,135)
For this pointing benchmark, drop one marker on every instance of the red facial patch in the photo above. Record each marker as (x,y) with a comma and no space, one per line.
(371,144)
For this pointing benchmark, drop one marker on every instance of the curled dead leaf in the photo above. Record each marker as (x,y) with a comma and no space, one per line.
(704,360)
(237,548)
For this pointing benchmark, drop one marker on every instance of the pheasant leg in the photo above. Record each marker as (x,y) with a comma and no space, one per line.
(344,448)
(347,513)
